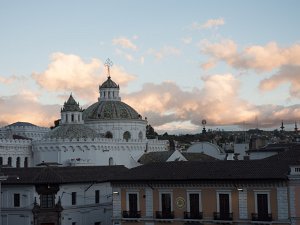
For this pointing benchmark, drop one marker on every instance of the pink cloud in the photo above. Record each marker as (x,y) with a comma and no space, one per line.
(25,107)
(258,58)
(287,74)
(69,73)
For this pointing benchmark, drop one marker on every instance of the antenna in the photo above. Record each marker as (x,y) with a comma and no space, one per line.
(108,64)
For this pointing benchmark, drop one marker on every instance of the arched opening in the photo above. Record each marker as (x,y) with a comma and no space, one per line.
(126,135)
(18,162)
(9,161)
(72,117)
(140,135)
(26,162)
(1,161)
(108,134)
(111,161)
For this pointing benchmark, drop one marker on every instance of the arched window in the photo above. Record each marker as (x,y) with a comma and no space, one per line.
(1,161)
(9,161)
(72,117)
(140,135)
(18,162)
(126,135)
(108,134)
(26,162)
(78,118)
(111,161)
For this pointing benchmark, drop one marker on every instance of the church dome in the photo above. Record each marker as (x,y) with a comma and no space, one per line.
(109,105)
(110,110)
(109,83)
(72,131)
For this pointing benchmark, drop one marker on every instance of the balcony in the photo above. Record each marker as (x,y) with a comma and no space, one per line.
(193,215)
(164,215)
(261,216)
(223,216)
(131,214)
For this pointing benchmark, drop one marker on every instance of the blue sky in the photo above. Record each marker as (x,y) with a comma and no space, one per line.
(229,62)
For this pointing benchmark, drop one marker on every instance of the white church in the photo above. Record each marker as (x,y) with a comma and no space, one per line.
(109,132)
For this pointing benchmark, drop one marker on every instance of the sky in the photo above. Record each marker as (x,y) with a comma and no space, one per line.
(235,64)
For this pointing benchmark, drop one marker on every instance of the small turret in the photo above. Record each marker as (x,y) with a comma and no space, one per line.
(71,113)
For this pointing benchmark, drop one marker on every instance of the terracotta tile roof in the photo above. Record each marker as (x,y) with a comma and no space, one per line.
(61,175)
(213,170)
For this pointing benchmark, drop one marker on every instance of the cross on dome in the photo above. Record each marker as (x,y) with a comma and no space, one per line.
(108,64)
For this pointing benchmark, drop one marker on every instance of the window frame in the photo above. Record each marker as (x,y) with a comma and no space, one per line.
(266,192)
(137,199)
(160,199)
(188,207)
(218,199)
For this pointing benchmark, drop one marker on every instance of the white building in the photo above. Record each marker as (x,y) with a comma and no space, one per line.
(109,132)
(58,195)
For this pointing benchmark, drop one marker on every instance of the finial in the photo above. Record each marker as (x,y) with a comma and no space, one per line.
(108,64)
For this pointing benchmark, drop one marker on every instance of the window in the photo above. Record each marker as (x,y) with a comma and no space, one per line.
(17,200)
(140,135)
(126,135)
(18,162)
(97,223)
(72,117)
(110,161)
(26,162)
(78,118)
(194,210)
(9,161)
(165,206)
(97,196)
(1,161)
(74,198)
(262,207)
(108,134)
(47,201)
(132,205)
(223,206)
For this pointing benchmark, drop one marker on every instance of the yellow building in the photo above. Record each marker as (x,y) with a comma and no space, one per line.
(239,192)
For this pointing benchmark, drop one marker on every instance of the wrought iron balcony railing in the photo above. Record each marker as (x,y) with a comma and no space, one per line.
(223,216)
(193,215)
(261,216)
(164,215)
(131,214)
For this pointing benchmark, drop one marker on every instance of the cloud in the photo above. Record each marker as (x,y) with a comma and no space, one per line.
(25,107)
(12,79)
(164,52)
(125,43)
(69,73)
(127,56)
(187,40)
(166,103)
(287,74)
(211,23)
(259,58)
(167,106)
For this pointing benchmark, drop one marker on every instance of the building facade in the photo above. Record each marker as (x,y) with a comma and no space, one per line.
(239,192)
